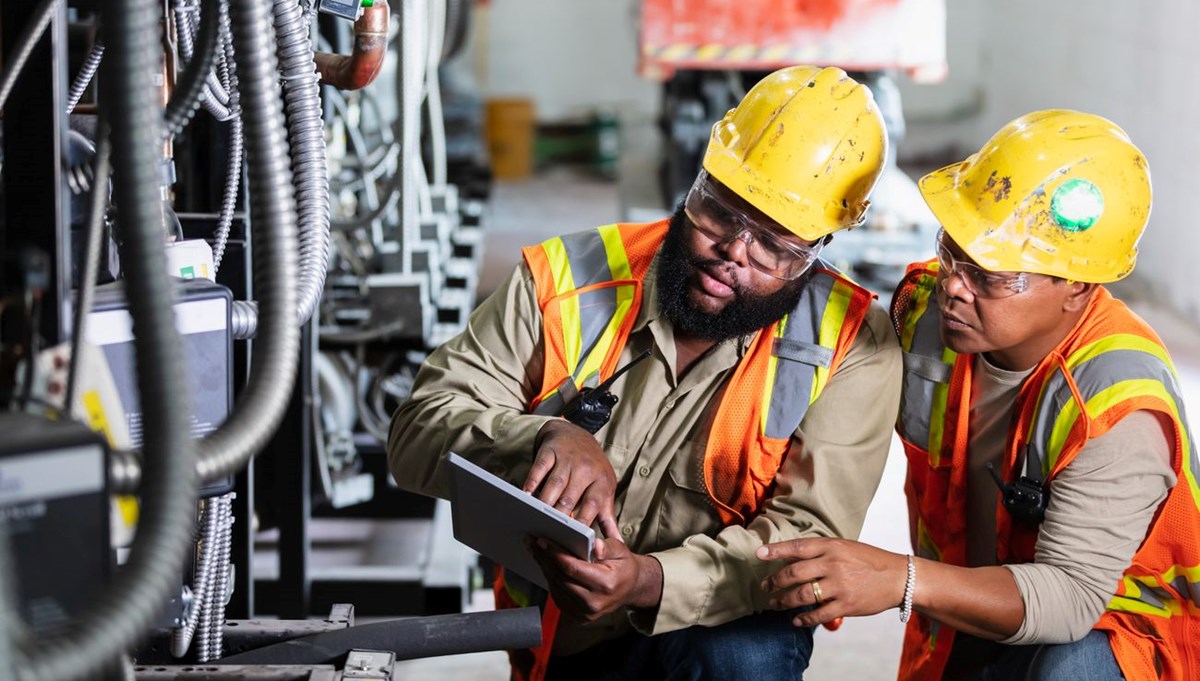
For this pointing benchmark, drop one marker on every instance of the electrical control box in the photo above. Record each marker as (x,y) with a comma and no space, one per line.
(54,507)
(202,316)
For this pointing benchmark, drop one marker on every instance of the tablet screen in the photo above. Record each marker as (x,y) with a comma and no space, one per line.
(493,517)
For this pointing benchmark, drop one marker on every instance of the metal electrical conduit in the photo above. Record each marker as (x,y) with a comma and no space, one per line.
(306,134)
(121,614)
(273,212)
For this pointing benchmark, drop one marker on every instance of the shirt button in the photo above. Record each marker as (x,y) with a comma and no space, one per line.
(670,404)
(644,471)
(627,530)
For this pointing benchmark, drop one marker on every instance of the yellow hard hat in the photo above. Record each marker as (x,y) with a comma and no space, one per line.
(1054,192)
(805,146)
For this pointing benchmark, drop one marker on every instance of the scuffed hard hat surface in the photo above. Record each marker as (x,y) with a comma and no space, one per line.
(1054,192)
(805,146)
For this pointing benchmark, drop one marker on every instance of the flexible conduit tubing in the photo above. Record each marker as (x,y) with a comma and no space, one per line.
(306,133)
(273,217)
(124,611)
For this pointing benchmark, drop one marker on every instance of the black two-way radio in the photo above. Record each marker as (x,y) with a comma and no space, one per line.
(593,407)
(1026,497)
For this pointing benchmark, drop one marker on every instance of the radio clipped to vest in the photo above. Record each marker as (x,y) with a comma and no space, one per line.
(593,407)
(1026,497)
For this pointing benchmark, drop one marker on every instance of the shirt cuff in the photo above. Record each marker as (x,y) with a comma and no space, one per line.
(684,600)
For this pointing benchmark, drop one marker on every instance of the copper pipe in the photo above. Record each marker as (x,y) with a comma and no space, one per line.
(370,43)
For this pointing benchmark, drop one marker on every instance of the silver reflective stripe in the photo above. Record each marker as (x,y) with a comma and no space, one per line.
(792,390)
(805,353)
(557,403)
(589,260)
(589,265)
(928,368)
(1154,596)
(1093,377)
(1187,589)
(916,396)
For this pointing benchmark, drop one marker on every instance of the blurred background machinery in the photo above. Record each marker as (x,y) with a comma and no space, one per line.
(708,54)
(230,230)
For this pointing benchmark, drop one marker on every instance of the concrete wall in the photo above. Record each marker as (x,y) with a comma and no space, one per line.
(569,56)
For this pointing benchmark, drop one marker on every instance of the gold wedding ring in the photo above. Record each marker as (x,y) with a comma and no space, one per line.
(816,587)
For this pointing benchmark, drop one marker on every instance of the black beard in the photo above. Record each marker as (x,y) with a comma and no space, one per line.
(744,315)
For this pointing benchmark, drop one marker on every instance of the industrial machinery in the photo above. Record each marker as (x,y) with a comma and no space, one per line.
(229,231)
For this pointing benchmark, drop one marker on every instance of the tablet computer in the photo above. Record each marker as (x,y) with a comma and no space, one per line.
(493,517)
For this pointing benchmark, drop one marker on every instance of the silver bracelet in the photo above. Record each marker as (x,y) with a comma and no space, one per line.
(906,607)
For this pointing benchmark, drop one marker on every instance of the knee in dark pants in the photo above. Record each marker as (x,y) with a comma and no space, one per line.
(758,647)
(1089,658)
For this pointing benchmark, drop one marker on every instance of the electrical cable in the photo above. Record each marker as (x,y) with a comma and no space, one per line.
(123,612)
(185,98)
(41,18)
(84,77)
(91,260)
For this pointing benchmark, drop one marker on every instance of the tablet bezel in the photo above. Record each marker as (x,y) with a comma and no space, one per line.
(493,517)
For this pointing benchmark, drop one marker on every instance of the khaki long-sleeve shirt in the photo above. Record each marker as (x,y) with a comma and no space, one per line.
(471,397)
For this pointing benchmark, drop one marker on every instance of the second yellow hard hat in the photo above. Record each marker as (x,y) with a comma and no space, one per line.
(1055,192)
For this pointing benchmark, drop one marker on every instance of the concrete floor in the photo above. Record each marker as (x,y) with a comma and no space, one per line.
(560,201)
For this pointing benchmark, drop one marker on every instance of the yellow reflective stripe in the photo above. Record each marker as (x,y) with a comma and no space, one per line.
(937,416)
(564,281)
(1105,400)
(618,266)
(1126,341)
(618,260)
(1132,600)
(925,545)
(772,365)
(1136,586)
(596,357)
(519,597)
(1120,341)
(832,321)
(920,302)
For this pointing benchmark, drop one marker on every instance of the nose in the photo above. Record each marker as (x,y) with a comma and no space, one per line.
(734,248)
(954,278)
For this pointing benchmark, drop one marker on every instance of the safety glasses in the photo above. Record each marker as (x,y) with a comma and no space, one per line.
(766,249)
(980,282)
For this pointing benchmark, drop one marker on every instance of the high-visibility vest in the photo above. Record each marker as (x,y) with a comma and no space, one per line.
(589,287)
(1112,363)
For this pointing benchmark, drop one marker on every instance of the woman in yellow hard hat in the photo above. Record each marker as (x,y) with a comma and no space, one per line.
(1051,483)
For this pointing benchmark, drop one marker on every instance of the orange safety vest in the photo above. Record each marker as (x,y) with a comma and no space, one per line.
(1113,364)
(589,287)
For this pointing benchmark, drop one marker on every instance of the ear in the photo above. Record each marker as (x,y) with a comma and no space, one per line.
(1078,295)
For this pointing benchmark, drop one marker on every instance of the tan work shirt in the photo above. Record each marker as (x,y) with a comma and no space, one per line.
(472,394)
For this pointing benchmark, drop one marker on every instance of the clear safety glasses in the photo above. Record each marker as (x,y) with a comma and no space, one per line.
(767,250)
(980,282)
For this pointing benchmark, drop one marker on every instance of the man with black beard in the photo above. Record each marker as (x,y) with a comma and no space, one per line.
(763,412)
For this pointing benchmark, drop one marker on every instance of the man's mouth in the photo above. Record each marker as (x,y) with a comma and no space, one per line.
(715,282)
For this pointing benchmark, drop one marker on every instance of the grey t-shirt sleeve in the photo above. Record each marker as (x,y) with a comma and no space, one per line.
(1100,507)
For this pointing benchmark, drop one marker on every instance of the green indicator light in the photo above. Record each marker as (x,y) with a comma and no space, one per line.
(368,3)
(1077,205)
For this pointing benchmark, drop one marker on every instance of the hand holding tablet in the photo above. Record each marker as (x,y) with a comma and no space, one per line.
(494,517)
